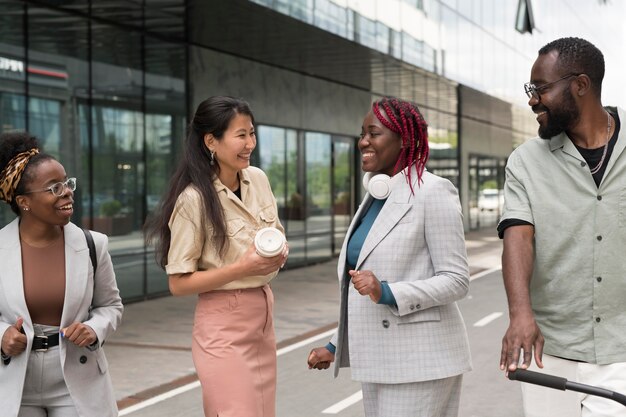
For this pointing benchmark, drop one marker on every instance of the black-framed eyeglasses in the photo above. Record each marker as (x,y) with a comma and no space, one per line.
(58,188)
(534,91)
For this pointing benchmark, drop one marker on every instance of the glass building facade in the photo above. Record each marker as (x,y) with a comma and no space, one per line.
(109,86)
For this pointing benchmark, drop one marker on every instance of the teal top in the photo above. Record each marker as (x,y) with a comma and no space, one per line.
(355,244)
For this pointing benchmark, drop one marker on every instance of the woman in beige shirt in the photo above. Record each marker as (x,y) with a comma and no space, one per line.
(204,235)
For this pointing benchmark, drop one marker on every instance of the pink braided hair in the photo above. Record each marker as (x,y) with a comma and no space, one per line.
(413,131)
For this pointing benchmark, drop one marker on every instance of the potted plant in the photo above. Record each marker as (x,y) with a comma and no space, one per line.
(112,221)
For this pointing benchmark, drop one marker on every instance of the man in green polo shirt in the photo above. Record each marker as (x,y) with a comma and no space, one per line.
(564,231)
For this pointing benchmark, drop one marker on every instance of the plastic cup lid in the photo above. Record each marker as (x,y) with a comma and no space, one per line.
(269,241)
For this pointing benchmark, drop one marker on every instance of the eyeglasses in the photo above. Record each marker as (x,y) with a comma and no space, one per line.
(532,91)
(58,189)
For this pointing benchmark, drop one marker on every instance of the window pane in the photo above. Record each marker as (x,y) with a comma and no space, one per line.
(12,76)
(165,123)
(278,156)
(118,141)
(318,220)
(343,174)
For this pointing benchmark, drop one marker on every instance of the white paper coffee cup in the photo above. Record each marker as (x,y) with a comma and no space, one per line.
(269,242)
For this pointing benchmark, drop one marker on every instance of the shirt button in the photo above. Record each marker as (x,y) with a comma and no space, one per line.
(599,279)
(599,198)
(582,164)
(599,238)
(597,319)
(385,323)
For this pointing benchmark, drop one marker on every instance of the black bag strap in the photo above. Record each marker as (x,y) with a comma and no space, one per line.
(92,251)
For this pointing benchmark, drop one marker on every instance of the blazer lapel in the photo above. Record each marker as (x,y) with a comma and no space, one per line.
(76,273)
(396,206)
(341,264)
(12,274)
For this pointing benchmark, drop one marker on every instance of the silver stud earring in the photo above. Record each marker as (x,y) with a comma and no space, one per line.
(25,208)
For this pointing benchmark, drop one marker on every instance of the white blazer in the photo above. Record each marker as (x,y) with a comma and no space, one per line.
(417,245)
(86,371)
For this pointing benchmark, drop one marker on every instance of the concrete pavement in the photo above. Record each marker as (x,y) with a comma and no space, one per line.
(151,351)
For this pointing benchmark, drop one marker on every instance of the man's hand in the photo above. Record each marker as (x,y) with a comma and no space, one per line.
(366,283)
(13,340)
(522,334)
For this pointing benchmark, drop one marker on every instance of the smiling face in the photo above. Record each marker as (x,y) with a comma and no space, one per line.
(379,146)
(556,107)
(233,150)
(43,206)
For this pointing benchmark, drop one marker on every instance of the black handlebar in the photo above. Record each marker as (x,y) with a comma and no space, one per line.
(563,384)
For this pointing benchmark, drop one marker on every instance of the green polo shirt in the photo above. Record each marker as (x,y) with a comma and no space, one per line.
(578,287)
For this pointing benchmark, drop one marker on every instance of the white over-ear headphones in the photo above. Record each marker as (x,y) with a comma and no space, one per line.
(379,185)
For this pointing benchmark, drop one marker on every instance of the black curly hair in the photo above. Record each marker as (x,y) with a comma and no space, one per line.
(578,56)
(13,143)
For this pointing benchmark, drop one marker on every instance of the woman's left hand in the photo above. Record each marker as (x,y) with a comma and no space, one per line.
(80,334)
(366,283)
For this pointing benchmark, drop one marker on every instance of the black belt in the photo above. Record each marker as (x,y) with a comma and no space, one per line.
(43,343)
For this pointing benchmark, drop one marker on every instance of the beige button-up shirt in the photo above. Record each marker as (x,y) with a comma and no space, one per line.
(578,287)
(191,247)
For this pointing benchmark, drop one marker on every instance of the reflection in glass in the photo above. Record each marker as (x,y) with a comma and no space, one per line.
(117,134)
(343,173)
(12,112)
(164,118)
(443,142)
(277,148)
(486,195)
(318,196)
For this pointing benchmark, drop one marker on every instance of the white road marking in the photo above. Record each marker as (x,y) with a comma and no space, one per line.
(159,398)
(305,342)
(343,404)
(180,390)
(483,273)
(488,319)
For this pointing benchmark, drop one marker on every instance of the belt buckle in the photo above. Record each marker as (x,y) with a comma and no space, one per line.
(44,343)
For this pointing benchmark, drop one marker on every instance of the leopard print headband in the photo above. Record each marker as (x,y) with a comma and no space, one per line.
(12,173)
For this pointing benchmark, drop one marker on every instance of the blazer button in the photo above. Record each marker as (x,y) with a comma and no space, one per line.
(385,323)
(83,359)
(412,307)
(418,306)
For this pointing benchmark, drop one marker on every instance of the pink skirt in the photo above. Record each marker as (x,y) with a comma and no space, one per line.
(234,351)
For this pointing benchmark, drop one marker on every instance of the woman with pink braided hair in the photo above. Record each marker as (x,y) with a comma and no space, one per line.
(402,267)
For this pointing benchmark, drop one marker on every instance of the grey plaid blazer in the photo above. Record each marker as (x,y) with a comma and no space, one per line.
(417,245)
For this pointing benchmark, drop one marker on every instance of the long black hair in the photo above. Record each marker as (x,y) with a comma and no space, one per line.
(197,168)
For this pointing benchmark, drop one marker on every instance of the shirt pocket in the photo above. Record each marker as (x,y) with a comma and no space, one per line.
(430,314)
(234,227)
(267,216)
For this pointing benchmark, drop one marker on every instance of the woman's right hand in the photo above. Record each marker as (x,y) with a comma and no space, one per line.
(13,340)
(320,358)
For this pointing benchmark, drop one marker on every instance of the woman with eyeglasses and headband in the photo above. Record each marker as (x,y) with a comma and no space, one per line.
(54,314)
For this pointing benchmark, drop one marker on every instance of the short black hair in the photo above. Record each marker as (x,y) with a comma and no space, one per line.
(13,143)
(578,56)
